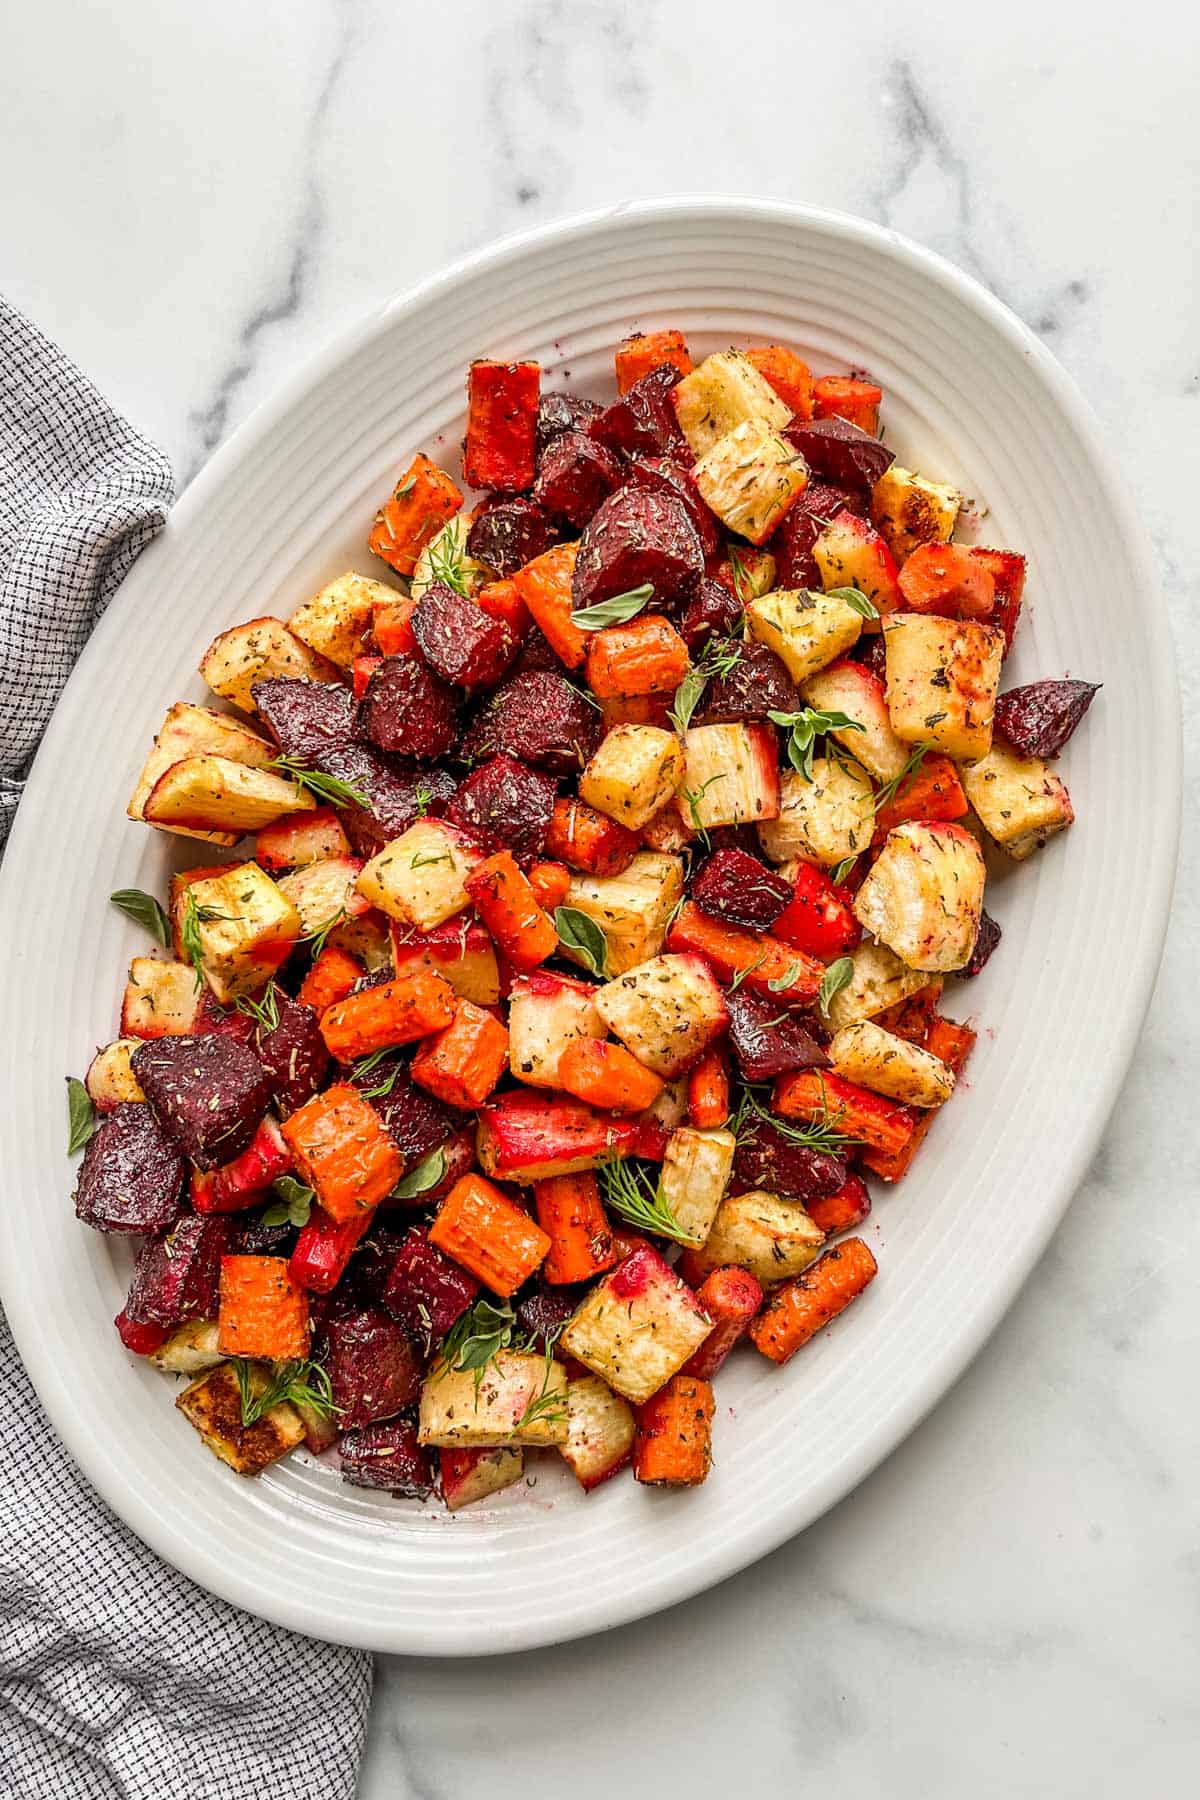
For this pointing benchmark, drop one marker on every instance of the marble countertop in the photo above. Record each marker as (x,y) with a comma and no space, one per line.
(195,199)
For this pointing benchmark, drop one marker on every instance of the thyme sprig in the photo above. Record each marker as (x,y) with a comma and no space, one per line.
(633,1194)
(265,1011)
(299,1383)
(330,789)
(891,789)
(821,1134)
(196,914)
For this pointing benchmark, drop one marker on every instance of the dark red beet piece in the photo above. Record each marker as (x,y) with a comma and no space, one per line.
(387,1455)
(139,1336)
(248,1236)
(210,1093)
(792,546)
(635,538)
(537,653)
(213,1018)
(506,534)
(767,1040)
(741,890)
(986,940)
(305,717)
(562,412)
(712,611)
(545,1309)
(131,1175)
(505,805)
(735,837)
(293,1053)
(406,709)
(643,421)
(177,1277)
(459,641)
(766,1158)
(373,1368)
(396,794)
(757,684)
(1040,719)
(538,718)
(424,1290)
(417,1122)
(665,475)
(840,452)
(575,474)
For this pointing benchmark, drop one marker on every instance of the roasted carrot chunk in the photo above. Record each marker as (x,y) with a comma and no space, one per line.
(762,963)
(549,881)
(708,1091)
(396,1012)
(838,1212)
(730,1297)
(502,600)
(424,498)
(948,580)
(932,794)
(952,1043)
(343,1151)
(392,625)
(581,1240)
(854,1111)
(911,1019)
(837,396)
(637,355)
(463,1063)
(644,656)
(585,839)
(332,976)
(508,906)
(546,587)
(673,1446)
(788,374)
(262,1311)
(798,1309)
(607,1076)
(500,449)
(636,709)
(479,1227)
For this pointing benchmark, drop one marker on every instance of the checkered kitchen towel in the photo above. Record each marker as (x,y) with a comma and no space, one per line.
(119,1680)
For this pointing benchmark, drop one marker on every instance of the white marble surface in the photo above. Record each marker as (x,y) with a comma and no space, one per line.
(193,198)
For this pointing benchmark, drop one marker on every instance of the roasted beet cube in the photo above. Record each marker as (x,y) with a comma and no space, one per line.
(210,1093)
(636,538)
(792,544)
(562,412)
(538,718)
(665,475)
(735,837)
(545,1310)
(424,1290)
(131,1175)
(506,534)
(406,709)
(537,653)
(1039,720)
(389,1456)
(396,794)
(840,452)
(986,940)
(293,1053)
(767,1040)
(506,806)
(373,1367)
(741,889)
(305,717)
(712,611)
(248,1236)
(757,684)
(767,1158)
(459,641)
(415,1121)
(177,1277)
(643,421)
(574,475)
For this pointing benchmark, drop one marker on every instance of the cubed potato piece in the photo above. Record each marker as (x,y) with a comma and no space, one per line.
(462,953)
(750,477)
(666,1011)
(850,553)
(923,896)
(256,651)
(635,771)
(198,731)
(731,776)
(879,980)
(190,1349)
(773,1238)
(246,927)
(367,938)
(213,1405)
(161,999)
(877,1059)
(419,878)
(942,680)
(322,890)
(637,1327)
(695,1174)
(805,629)
(515,1387)
(600,1431)
(547,1012)
(211,793)
(110,1080)
(301,838)
(1020,801)
(446,556)
(911,510)
(469,1476)
(824,820)
(633,909)
(749,573)
(724,392)
(848,688)
(336,623)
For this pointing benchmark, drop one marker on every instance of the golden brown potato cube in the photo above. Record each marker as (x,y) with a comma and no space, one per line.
(909,510)
(245,926)
(877,1059)
(773,1238)
(804,628)
(637,1326)
(823,820)
(695,1174)
(942,679)
(1019,800)
(632,909)
(336,623)
(211,793)
(419,878)
(198,731)
(521,1399)
(750,477)
(923,896)
(724,392)
(879,980)
(636,770)
(256,651)
(213,1405)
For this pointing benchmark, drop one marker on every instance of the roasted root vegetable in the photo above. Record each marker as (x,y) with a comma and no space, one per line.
(730,776)
(932,793)
(588,840)
(263,1312)
(242,927)
(300,839)
(480,1227)
(772,1238)
(194,731)
(633,909)
(787,374)
(1021,803)
(337,623)
(946,579)
(637,1327)
(606,1076)
(673,1446)
(731,1297)
(923,897)
(635,771)
(819,919)
(110,1080)
(462,1063)
(213,1404)
(600,1431)
(520,1399)
(502,408)
(750,477)
(459,950)
(570,1212)
(394,1012)
(849,553)
(798,1310)
(846,397)
(878,979)
(853,1112)
(708,1091)
(951,1044)
(806,629)
(528,1137)
(942,678)
(506,903)
(696,1167)
(763,964)
(420,878)
(343,1151)
(261,650)
(725,391)
(666,1011)
(827,818)
(422,502)
(645,656)
(637,355)
(469,1476)
(911,510)
(546,588)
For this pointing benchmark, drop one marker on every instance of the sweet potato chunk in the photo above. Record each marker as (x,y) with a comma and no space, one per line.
(423,500)
(343,1151)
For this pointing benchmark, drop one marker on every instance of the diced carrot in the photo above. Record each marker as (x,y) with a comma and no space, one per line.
(332,976)
(911,1019)
(708,1091)
(463,1063)
(581,1240)
(788,375)
(508,906)
(343,1151)
(819,918)
(500,447)
(1007,570)
(837,396)
(797,1310)
(392,625)
(422,501)
(762,963)
(502,600)
(585,839)
(479,1227)
(838,1212)
(854,1111)
(952,1043)
(396,1012)
(262,1311)
(324,1248)
(362,671)
(946,579)
(673,1446)
(730,1297)
(644,656)
(607,1076)
(549,881)
(636,709)
(546,587)
(932,794)
(637,355)
(301,838)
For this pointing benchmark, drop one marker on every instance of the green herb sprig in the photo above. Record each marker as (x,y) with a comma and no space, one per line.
(421,1177)
(447,561)
(838,975)
(579,932)
(633,1194)
(194,915)
(616,610)
(329,789)
(855,599)
(294,1205)
(82,1118)
(265,1011)
(890,789)
(304,1384)
(478,1337)
(805,727)
(145,911)
(720,657)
